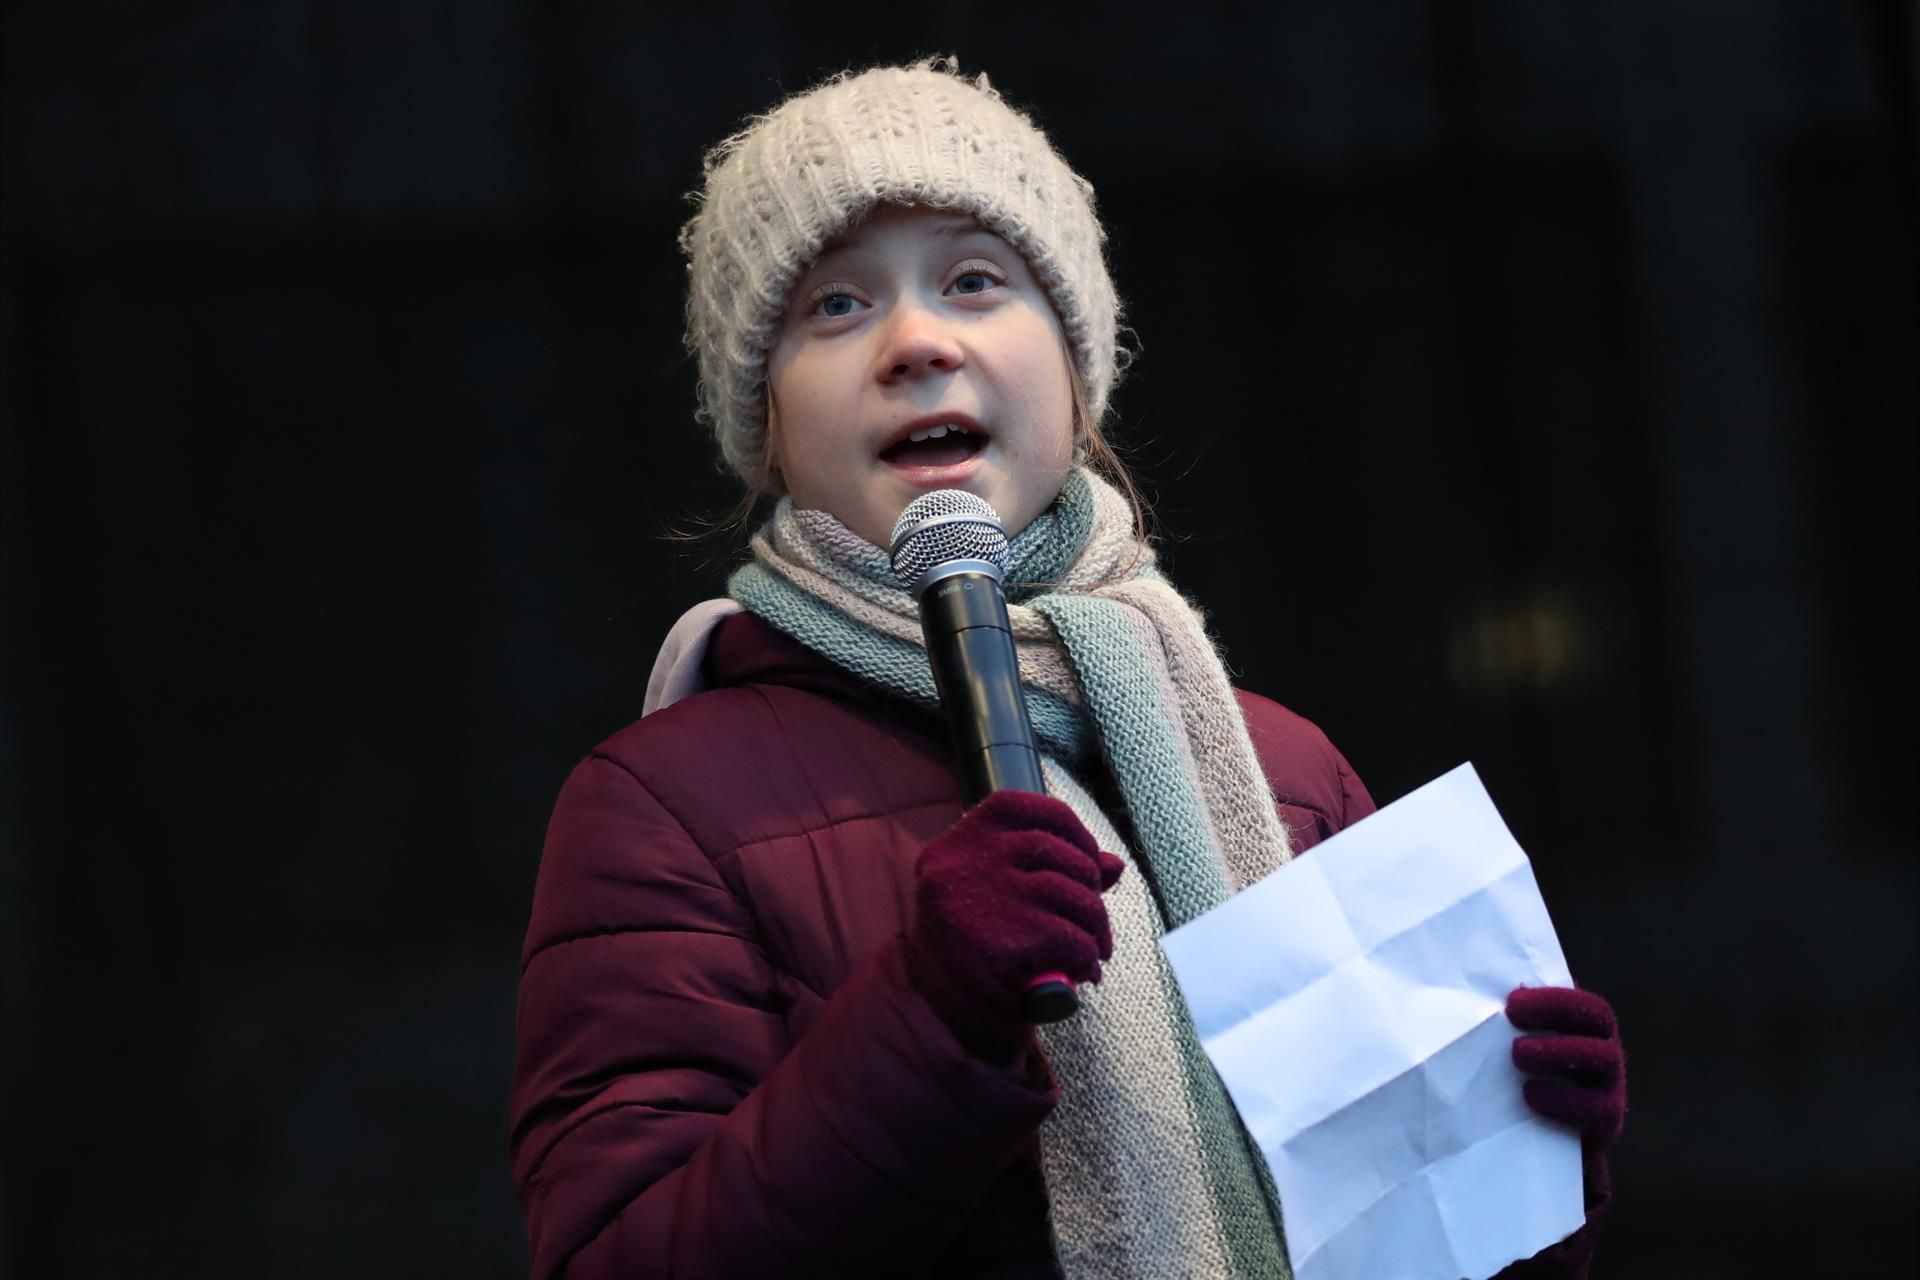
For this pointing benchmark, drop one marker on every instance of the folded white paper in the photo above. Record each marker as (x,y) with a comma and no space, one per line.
(1354,1004)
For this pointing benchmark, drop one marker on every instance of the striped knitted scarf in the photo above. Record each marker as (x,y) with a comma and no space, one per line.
(1148,1170)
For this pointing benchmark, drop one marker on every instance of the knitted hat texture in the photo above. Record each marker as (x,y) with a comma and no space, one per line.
(779,191)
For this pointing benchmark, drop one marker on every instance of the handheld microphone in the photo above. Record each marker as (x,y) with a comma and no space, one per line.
(950,552)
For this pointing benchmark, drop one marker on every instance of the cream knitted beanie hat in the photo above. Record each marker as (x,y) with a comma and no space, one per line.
(780,190)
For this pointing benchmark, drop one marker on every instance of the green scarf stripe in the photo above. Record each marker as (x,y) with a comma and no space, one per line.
(1039,555)
(1137,733)
(1242,1184)
(889,662)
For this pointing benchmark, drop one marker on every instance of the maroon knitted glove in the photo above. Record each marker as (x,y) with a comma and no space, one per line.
(1009,892)
(1579,1073)
(1578,1076)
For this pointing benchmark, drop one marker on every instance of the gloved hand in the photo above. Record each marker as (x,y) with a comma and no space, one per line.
(1009,892)
(1578,1073)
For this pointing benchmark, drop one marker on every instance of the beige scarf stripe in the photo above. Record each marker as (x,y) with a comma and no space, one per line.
(1124,1163)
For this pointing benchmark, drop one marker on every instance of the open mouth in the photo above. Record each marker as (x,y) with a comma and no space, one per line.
(941,446)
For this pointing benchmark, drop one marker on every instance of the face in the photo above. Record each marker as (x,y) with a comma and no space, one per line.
(920,323)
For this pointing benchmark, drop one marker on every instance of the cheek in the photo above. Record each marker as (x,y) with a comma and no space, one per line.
(1052,408)
(1047,388)
(797,388)
(1063,414)
(818,374)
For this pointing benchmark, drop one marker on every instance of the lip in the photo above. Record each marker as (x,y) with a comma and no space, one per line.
(954,474)
(948,418)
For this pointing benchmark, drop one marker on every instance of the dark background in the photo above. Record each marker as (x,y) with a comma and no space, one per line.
(1533,383)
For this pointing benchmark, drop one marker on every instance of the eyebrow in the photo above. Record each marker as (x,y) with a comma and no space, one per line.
(959,227)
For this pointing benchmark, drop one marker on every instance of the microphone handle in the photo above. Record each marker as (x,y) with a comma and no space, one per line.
(970,646)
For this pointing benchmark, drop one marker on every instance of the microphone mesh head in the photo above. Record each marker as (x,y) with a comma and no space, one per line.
(947,524)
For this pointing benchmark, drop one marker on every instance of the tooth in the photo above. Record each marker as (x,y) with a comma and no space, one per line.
(917,436)
(936,433)
(957,427)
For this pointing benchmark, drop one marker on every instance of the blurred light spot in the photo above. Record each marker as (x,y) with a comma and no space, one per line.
(1534,646)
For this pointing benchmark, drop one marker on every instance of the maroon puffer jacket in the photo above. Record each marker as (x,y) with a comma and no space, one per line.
(722,1069)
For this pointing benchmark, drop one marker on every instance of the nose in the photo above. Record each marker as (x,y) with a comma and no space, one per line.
(918,342)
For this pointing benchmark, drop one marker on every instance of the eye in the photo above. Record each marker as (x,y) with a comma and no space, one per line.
(974,280)
(832,302)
